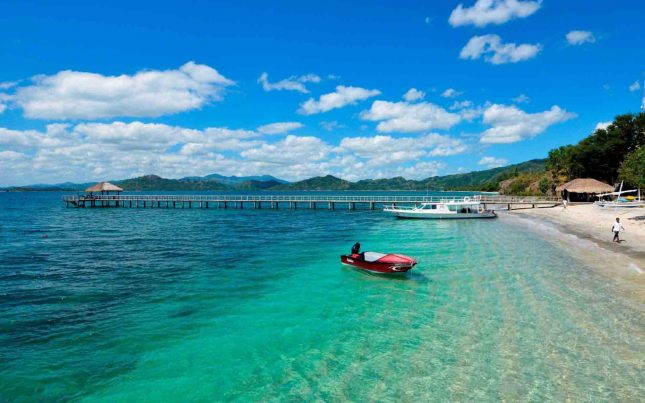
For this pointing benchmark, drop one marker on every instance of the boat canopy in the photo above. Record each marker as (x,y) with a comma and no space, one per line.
(373,256)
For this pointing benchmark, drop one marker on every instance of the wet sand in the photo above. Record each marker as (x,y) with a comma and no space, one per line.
(585,230)
(595,223)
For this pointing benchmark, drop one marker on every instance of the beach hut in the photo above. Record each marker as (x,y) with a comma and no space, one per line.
(104,188)
(582,189)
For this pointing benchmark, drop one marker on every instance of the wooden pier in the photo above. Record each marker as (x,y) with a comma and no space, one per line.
(331,202)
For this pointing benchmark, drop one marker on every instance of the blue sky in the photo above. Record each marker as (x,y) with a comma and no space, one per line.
(298,89)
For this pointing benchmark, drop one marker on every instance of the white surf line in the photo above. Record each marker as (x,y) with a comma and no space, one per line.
(555,235)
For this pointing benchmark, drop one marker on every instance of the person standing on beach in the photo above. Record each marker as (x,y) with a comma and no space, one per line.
(616,230)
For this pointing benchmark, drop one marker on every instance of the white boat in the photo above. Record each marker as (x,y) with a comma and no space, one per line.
(455,208)
(620,201)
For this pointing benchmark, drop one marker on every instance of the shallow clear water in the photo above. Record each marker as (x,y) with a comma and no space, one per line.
(126,304)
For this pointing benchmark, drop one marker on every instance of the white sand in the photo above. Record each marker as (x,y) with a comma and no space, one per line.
(590,239)
(596,222)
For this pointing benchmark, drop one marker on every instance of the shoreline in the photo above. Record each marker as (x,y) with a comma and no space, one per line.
(584,230)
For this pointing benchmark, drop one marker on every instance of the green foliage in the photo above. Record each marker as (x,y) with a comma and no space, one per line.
(487,180)
(544,185)
(482,180)
(328,182)
(154,182)
(559,161)
(599,156)
(632,170)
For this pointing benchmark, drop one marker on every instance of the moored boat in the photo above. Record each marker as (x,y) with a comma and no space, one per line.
(382,263)
(620,201)
(454,208)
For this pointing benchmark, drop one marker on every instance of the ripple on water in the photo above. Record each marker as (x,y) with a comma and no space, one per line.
(120,304)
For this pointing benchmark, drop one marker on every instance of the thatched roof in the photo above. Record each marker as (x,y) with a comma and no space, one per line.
(104,187)
(586,185)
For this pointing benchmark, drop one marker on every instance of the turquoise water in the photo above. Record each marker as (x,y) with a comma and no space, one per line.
(253,305)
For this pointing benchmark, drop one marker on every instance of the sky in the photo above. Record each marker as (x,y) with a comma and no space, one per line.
(364,89)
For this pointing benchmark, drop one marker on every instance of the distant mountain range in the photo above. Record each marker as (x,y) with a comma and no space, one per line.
(478,180)
(232,180)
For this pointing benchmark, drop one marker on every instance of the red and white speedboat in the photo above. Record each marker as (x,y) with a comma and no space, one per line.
(382,263)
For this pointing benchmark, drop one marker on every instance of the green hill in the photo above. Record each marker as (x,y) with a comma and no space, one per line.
(154,182)
(483,180)
(328,182)
(478,180)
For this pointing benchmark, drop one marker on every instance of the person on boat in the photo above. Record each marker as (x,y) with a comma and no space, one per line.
(356,249)
(616,230)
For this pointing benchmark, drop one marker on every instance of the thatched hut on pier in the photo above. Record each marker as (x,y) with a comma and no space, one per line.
(582,189)
(104,188)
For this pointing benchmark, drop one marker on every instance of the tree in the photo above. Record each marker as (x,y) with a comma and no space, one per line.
(599,156)
(632,170)
(559,161)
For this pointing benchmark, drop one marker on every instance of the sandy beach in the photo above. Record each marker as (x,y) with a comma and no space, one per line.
(595,223)
(589,236)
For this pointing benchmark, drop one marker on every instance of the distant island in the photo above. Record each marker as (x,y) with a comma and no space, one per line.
(486,180)
(611,154)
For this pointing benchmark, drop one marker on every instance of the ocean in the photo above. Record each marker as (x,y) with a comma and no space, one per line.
(253,305)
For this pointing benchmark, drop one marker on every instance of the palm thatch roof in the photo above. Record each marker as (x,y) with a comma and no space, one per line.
(585,185)
(104,187)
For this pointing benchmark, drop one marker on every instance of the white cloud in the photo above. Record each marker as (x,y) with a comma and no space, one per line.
(580,37)
(461,105)
(293,83)
(341,97)
(421,170)
(97,151)
(4,101)
(451,93)
(602,125)
(5,85)
(467,110)
(129,136)
(331,125)
(427,20)
(279,127)
(382,150)
(407,118)
(291,150)
(79,95)
(414,94)
(521,99)
(492,162)
(635,86)
(18,139)
(496,52)
(485,12)
(510,124)
(90,151)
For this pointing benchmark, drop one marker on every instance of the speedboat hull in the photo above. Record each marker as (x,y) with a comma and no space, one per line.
(380,263)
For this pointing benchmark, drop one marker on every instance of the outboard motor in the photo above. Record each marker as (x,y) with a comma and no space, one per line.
(356,248)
